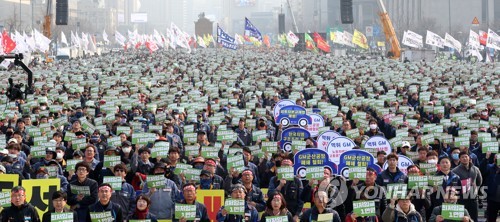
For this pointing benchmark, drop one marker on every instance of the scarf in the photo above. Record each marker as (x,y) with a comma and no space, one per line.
(141,214)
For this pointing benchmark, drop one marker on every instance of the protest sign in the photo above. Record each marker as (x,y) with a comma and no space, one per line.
(364,208)
(338,146)
(325,137)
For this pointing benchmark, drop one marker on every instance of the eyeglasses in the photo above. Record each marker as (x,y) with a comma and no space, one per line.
(82,169)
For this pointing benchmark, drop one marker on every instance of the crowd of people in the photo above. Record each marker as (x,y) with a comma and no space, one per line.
(131,104)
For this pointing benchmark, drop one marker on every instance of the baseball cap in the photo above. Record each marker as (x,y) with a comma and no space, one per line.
(206,173)
(406,144)
(12,140)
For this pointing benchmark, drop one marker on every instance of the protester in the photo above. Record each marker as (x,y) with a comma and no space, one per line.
(276,206)
(162,199)
(320,201)
(59,200)
(238,192)
(105,205)
(470,180)
(189,193)
(19,210)
(403,210)
(82,192)
(141,211)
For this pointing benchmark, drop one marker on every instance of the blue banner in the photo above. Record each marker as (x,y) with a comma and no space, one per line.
(293,115)
(357,158)
(310,158)
(251,30)
(225,40)
(291,134)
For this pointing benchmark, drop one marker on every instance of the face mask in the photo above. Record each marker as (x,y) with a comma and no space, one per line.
(205,183)
(43,107)
(373,126)
(262,124)
(455,156)
(59,156)
(127,149)
(170,134)
(14,156)
(9,134)
(432,161)
(42,176)
(123,120)
(484,113)
(200,167)
(50,121)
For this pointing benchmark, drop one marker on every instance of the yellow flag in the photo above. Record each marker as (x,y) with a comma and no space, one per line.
(359,39)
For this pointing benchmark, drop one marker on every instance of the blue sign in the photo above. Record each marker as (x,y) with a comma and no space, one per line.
(225,40)
(291,134)
(311,158)
(357,158)
(377,30)
(251,30)
(294,115)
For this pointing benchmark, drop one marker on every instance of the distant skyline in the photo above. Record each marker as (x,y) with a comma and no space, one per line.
(310,15)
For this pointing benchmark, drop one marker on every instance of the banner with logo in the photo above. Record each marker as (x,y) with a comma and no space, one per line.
(413,40)
(291,134)
(308,158)
(325,137)
(317,123)
(278,106)
(356,158)
(379,143)
(434,39)
(338,146)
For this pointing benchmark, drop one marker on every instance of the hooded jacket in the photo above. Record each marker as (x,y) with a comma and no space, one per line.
(392,214)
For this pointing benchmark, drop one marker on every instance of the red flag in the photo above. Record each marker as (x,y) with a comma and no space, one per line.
(151,46)
(7,43)
(321,43)
(247,39)
(266,41)
(483,36)
(138,44)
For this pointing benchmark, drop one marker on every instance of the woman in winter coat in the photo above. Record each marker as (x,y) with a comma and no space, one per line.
(141,212)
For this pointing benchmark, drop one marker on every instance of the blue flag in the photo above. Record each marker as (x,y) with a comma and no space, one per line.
(225,40)
(251,30)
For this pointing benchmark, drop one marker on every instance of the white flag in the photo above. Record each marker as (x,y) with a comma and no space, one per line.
(105,36)
(41,42)
(493,40)
(412,39)
(434,39)
(75,41)
(451,42)
(63,39)
(30,40)
(473,39)
(291,38)
(348,39)
(119,38)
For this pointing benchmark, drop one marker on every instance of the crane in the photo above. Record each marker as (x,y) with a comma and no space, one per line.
(48,20)
(390,34)
(293,17)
